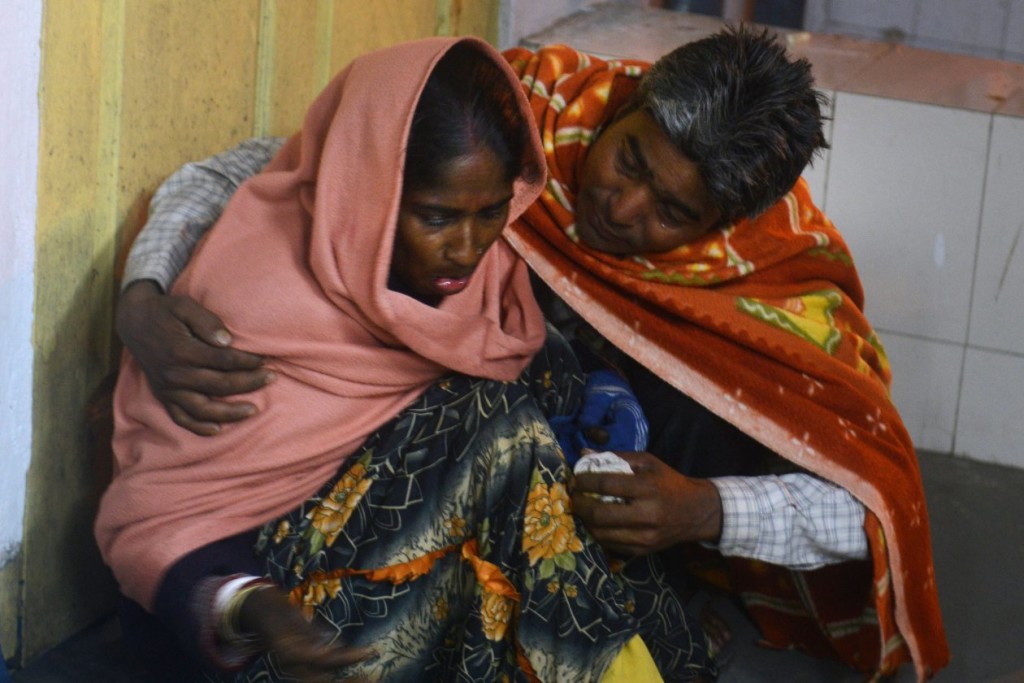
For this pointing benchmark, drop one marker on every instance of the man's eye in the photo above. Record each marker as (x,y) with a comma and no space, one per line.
(627,166)
(670,218)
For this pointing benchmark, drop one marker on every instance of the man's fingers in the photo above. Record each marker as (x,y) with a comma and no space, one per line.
(202,322)
(605,484)
(196,408)
(594,512)
(621,541)
(215,382)
(639,461)
(183,419)
(196,353)
(208,328)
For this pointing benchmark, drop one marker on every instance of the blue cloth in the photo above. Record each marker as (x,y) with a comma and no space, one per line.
(610,419)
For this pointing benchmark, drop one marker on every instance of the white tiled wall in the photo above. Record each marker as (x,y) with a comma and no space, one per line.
(984,28)
(926,387)
(990,422)
(997,312)
(905,188)
(931,201)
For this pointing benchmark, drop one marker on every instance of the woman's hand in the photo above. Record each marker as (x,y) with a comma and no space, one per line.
(662,508)
(308,651)
(183,349)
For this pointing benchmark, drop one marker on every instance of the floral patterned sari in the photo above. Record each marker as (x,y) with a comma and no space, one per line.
(447,543)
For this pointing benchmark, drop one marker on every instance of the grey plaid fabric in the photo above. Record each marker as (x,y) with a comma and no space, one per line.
(795,520)
(186,205)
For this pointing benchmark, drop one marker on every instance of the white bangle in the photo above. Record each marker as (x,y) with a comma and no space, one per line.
(228,602)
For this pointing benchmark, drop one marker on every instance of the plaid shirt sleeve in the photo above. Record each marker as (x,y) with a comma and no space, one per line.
(796,520)
(187,205)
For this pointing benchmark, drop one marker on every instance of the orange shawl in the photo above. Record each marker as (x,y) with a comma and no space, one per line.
(762,323)
(298,272)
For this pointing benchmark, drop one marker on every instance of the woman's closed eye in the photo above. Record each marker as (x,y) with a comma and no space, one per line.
(434,219)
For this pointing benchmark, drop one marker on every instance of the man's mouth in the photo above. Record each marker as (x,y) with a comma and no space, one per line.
(596,225)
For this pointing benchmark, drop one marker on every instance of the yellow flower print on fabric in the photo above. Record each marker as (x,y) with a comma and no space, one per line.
(872,359)
(330,516)
(883,357)
(549,533)
(283,529)
(315,591)
(808,316)
(441,609)
(456,527)
(496,613)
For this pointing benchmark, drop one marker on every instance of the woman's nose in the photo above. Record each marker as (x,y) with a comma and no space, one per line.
(461,247)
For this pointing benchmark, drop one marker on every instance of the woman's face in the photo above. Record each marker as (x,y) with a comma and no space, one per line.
(445,229)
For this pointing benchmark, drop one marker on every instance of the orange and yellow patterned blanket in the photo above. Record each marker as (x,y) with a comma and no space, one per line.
(762,323)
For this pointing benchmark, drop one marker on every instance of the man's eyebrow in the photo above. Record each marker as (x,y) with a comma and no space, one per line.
(663,196)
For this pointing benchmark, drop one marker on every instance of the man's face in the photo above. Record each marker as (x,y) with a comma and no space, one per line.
(639,194)
(444,230)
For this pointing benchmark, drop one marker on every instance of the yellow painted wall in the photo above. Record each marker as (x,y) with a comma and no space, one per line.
(130,90)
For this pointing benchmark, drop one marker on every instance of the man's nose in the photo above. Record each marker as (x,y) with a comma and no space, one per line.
(629,205)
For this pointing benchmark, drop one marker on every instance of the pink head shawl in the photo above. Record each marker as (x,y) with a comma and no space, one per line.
(297,269)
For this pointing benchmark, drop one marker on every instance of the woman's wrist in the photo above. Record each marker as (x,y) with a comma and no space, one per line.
(231,627)
(223,637)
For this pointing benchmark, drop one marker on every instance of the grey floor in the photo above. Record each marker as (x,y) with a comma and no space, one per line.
(977,513)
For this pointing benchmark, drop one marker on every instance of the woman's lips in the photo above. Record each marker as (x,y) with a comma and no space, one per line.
(450,285)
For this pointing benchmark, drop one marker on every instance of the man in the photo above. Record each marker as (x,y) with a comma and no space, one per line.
(672,226)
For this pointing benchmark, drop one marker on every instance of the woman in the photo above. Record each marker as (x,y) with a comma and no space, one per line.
(401,336)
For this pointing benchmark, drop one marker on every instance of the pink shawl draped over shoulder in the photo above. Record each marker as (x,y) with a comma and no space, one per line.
(297,268)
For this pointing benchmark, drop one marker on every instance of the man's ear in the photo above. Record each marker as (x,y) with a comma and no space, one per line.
(721,223)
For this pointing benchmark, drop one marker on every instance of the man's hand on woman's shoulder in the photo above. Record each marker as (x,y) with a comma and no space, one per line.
(184,351)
